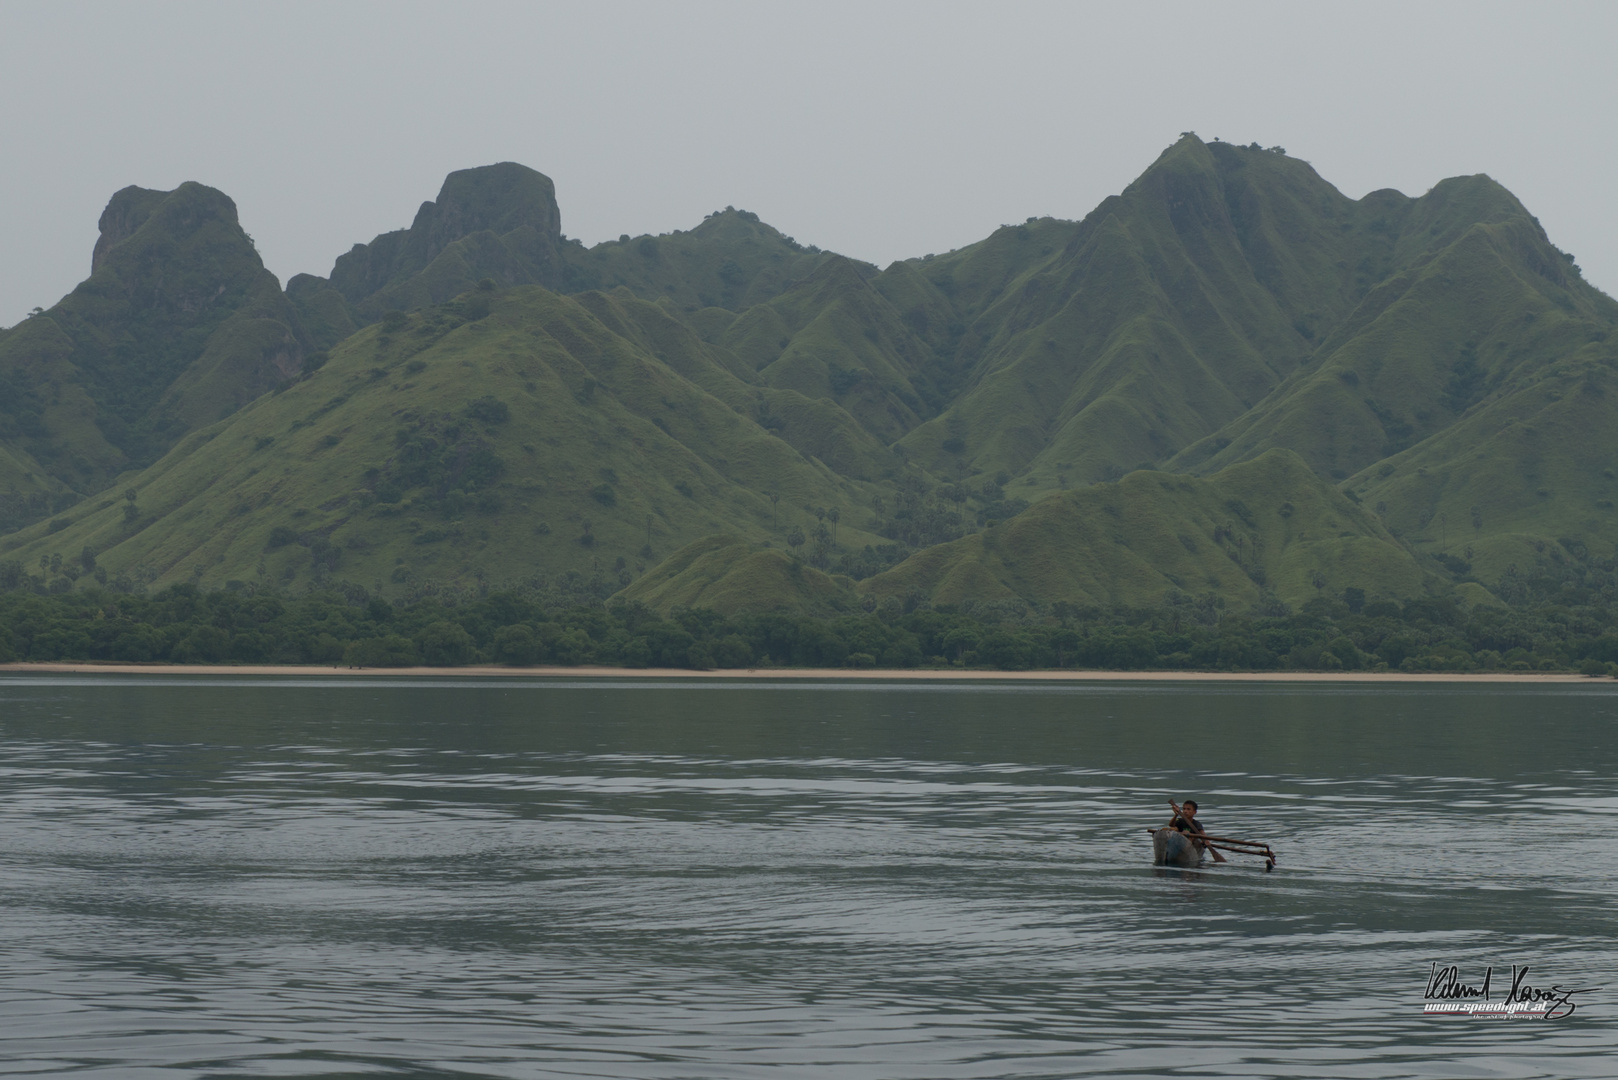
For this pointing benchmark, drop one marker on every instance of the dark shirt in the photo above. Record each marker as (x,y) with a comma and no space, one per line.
(1187,826)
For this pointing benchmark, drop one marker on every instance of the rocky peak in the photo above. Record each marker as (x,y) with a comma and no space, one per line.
(494,198)
(126,211)
(512,202)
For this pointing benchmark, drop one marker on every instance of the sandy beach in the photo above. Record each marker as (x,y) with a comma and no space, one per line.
(837,674)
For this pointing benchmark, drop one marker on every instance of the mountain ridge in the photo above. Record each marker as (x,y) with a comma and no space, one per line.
(1229,305)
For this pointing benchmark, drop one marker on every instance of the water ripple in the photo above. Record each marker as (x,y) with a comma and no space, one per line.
(244,877)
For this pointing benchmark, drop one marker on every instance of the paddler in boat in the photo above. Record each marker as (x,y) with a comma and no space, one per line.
(1186,820)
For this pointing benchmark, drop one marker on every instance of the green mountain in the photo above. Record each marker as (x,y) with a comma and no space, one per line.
(1229,383)
(1175,316)
(178,325)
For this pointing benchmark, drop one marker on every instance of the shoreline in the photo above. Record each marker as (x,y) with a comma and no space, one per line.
(809,674)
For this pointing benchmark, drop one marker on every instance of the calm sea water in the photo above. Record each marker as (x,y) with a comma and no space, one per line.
(526,878)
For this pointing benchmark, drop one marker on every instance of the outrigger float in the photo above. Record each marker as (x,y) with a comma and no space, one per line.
(1171,847)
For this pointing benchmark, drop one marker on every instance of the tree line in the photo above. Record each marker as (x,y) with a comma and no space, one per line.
(1564,620)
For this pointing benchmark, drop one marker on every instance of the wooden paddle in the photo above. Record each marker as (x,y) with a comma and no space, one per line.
(1194,835)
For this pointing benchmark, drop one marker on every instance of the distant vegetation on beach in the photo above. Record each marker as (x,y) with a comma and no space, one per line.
(1560,622)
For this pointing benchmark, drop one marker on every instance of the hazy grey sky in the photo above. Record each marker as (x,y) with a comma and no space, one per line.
(880,130)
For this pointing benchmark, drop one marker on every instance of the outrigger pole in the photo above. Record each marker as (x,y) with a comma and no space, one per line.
(1235,847)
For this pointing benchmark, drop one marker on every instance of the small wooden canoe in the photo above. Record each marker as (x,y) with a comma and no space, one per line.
(1170,847)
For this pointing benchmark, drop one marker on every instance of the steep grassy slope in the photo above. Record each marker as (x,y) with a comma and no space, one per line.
(1165,314)
(496,437)
(27,491)
(835,338)
(818,428)
(178,324)
(1524,481)
(1264,528)
(1486,303)
(729,576)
